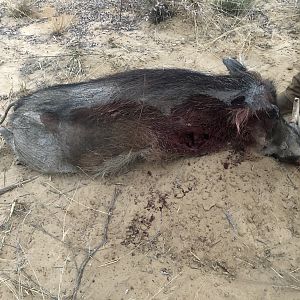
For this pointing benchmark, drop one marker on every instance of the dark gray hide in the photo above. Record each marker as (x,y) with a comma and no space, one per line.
(105,124)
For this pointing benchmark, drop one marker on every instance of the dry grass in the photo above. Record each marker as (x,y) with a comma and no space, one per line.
(240,22)
(24,278)
(233,7)
(211,24)
(21,277)
(20,8)
(60,24)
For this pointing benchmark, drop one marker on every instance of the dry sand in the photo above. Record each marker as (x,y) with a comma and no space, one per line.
(223,226)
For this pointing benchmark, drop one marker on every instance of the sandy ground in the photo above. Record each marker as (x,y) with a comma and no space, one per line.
(223,226)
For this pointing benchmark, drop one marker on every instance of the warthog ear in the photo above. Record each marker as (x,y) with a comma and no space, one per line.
(233,66)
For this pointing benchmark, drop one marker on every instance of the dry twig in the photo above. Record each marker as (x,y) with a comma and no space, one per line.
(72,200)
(164,286)
(15,185)
(99,246)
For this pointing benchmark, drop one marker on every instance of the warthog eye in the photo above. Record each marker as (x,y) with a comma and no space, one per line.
(238,101)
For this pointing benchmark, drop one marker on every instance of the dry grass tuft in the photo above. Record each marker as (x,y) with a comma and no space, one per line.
(20,8)
(60,24)
(233,7)
(74,69)
(239,22)
(160,13)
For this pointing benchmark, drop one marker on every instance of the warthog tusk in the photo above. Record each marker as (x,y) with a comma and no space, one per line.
(295,113)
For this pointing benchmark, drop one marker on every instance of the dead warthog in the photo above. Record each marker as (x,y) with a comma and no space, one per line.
(104,125)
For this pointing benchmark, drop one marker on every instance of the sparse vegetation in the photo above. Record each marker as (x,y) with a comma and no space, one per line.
(20,8)
(227,7)
(60,24)
(159,13)
(23,90)
(233,7)
(50,227)
(74,67)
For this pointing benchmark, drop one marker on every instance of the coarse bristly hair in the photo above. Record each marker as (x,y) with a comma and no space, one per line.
(145,114)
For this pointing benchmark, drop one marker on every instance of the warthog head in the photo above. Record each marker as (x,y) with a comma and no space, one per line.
(283,141)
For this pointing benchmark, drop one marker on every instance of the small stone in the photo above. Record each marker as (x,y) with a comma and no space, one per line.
(179,195)
(242,230)
(208,206)
(221,204)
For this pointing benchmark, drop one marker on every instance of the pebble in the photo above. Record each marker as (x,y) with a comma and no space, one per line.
(208,205)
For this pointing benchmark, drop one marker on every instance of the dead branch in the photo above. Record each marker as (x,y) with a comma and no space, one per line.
(15,185)
(6,112)
(67,244)
(100,245)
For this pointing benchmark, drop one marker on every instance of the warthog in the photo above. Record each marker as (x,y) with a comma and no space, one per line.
(104,125)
